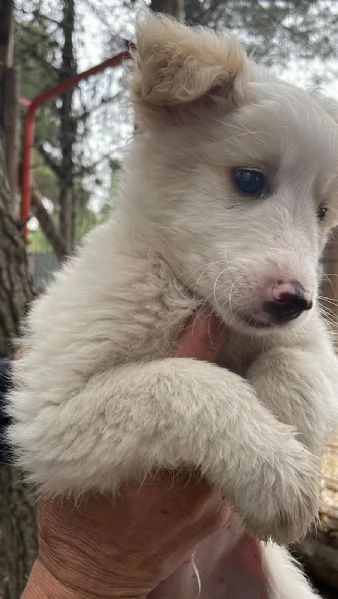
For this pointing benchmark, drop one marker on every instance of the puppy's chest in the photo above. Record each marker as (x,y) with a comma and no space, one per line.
(159,337)
(239,352)
(150,325)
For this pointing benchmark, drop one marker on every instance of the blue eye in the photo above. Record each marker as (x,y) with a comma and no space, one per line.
(250,182)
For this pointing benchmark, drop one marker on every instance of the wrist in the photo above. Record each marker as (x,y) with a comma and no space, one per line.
(43,585)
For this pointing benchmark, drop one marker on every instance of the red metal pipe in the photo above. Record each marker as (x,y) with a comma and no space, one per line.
(29,124)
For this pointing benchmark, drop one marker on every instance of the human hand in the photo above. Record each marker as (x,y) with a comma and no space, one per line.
(123,547)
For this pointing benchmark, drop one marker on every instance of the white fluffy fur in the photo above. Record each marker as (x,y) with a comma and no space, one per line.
(98,398)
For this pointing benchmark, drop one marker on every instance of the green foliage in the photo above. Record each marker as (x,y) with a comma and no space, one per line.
(37,242)
(276,30)
(45,179)
(37,50)
(86,220)
(40,52)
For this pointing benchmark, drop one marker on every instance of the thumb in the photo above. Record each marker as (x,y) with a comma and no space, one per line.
(202,338)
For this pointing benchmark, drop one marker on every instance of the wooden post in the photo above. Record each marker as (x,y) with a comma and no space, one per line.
(9,115)
(9,119)
(6,33)
(17,543)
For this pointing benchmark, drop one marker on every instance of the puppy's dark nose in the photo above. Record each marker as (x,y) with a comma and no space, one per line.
(289,300)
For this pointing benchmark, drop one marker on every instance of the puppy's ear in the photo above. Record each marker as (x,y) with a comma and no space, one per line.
(176,65)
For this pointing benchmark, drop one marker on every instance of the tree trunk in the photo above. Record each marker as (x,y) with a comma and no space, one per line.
(6,32)
(9,113)
(9,125)
(16,288)
(17,530)
(175,8)
(47,226)
(319,551)
(67,131)
(17,544)
(17,533)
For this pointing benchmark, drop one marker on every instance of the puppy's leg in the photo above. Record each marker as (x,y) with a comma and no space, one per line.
(285,578)
(171,413)
(297,386)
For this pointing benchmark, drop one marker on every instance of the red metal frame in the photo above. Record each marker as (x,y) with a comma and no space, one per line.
(29,123)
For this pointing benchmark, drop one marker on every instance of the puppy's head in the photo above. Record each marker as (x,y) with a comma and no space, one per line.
(233,172)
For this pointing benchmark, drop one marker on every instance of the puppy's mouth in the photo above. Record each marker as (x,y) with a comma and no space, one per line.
(254,322)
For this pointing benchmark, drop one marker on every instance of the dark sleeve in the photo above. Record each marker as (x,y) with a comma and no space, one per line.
(5,386)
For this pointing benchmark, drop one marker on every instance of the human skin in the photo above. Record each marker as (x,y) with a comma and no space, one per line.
(106,547)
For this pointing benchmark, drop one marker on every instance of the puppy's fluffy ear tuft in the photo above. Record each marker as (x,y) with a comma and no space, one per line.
(176,65)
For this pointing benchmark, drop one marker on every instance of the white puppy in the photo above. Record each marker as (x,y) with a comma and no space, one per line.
(230,190)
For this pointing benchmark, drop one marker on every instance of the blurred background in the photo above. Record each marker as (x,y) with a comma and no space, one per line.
(60,157)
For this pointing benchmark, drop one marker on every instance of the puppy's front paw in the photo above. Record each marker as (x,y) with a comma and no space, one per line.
(284,501)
